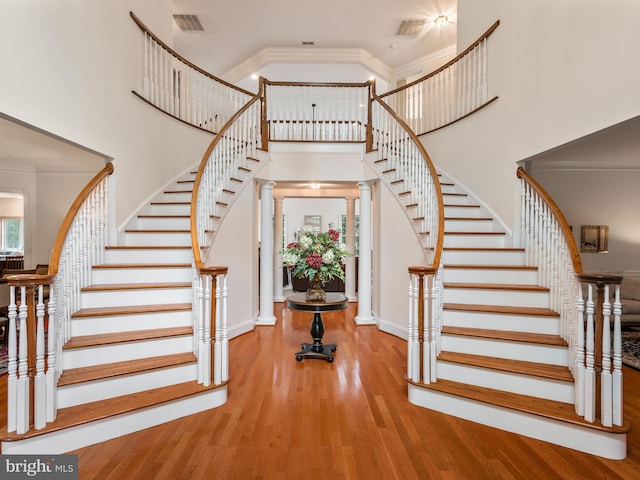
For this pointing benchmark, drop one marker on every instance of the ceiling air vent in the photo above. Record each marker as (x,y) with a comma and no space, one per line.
(410,28)
(188,23)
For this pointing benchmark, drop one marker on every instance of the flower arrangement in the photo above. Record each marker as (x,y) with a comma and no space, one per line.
(316,256)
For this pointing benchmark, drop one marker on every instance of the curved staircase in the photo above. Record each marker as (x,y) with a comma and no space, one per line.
(503,361)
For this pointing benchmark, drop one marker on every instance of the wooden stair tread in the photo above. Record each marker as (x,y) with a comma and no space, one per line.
(551,409)
(148,247)
(157,231)
(82,414)
(108,266)
(535,311)
(131,309)
(484,249)
(163,216)
(490,267)
(84,341)
(98,372)
(523,337)
(135,286)
(554,372)
(497,286)
(474,233)
(469,218)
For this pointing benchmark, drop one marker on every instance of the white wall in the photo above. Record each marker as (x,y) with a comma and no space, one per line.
(69,69)
(562,70)
(329,209)
(596,181)
(236,246)
(395,248)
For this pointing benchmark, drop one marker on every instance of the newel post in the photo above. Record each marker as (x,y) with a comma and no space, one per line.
(215,326)
(608,374)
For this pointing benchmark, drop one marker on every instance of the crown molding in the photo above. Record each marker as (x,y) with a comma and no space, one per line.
(308,55)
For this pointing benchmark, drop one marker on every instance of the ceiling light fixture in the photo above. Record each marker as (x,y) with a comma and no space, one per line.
(441,21)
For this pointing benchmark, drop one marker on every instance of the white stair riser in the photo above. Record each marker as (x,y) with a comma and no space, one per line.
(469,211)
(140,275)
(506,381)
(550,354)
(145,296)
(167,209)
(480,225)
(168,255)
(453,199)
(161,223)
(595,442)
(474,241)
(483,257)
(500,321)
(77,394)
(126,323)
(490,275)
(121,352)
(74,438)
(159,239)
(176,196)
(482,296)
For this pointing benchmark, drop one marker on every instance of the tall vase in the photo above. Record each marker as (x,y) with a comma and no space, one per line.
(315,293)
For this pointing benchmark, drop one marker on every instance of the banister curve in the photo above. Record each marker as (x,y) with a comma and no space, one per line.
(145,29)
(448,64)
(440,239)
(56,251)
(195,244)
(564,225)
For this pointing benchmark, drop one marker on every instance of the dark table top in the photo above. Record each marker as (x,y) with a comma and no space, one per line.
(335,301)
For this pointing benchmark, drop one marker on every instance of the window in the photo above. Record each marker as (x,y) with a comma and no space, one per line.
(11,234)
(343,232)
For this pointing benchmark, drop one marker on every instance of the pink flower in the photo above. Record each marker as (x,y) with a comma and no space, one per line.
(314,260)
(292,245)
(334,234)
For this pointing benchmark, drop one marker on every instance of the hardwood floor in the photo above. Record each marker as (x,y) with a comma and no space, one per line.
(347,420)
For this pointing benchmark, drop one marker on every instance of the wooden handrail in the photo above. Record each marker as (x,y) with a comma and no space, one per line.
(446,65)
(56,251)
(195,244)
(315,84)
(432,169)
(145,29)
(564,225)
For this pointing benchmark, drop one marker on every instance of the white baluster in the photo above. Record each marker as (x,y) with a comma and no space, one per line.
(590,376)
(23,384)
(12,365)
(617,360)
(606,383)
(40,386)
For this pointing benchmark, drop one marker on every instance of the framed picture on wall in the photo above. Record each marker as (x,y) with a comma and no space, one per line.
(314,221)
(594,239)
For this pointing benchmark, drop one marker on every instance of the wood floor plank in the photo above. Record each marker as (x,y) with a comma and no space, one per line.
(348,420)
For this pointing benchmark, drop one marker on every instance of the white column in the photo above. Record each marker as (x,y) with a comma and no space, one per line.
(278,296)
(266,316)
(364,316)
(350,266)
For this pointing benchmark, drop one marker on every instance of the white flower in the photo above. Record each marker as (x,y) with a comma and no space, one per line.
(290,259)
(307,229)
(305,242)
(328,257)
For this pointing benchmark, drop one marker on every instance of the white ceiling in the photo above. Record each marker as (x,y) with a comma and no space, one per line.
(237,30)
